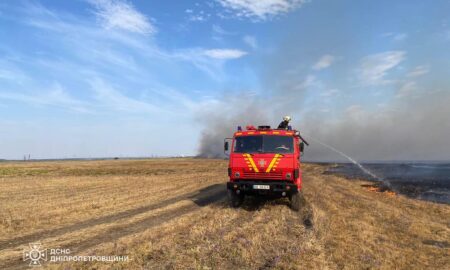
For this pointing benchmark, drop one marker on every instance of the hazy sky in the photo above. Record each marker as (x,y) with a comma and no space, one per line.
(101,78)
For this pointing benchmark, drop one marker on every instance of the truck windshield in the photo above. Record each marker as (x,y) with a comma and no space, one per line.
(264,144)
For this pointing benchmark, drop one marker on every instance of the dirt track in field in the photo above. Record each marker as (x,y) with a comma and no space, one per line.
(203,197)
(173,214)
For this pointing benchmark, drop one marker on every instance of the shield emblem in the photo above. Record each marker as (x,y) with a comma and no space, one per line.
(262,163)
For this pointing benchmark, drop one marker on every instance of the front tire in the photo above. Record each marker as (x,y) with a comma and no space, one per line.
(296,200)
(235,199)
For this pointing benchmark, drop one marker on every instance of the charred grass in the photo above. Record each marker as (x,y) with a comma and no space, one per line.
(173,214)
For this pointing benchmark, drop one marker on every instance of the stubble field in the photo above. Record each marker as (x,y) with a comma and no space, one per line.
(173,214)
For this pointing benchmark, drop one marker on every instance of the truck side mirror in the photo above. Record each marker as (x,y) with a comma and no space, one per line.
(226,146)
(302,147)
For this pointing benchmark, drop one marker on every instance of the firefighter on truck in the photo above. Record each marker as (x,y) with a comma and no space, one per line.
(265,162)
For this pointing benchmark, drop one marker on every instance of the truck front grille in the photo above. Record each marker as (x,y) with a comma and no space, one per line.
(262,175)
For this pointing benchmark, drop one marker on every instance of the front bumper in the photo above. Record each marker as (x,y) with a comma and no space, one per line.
(276,188)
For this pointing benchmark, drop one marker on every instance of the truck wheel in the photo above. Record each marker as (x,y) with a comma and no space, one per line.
(235,199)
(296,201)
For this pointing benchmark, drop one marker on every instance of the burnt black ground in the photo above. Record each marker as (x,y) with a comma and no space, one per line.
(426,181)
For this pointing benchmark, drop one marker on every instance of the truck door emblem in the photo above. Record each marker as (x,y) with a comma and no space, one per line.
(262,163)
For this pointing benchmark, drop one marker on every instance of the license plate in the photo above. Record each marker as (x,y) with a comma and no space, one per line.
(261,187)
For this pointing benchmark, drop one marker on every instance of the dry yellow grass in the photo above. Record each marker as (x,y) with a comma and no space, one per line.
(173,214)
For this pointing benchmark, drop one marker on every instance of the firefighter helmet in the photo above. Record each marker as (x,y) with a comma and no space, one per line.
(287,118)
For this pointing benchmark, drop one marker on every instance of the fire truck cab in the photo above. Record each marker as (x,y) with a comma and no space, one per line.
(265,162)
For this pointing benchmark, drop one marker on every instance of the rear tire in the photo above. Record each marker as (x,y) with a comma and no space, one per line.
(297,201)
(235,199)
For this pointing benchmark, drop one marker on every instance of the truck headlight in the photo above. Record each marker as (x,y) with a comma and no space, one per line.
(237,174)
(288,175)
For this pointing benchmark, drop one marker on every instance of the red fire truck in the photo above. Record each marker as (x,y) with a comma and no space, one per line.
(265,162)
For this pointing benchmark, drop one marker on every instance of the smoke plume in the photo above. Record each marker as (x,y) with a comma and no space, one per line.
(418,130)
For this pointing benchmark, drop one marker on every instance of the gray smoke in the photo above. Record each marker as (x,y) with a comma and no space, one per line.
(415,128)
(223,120)
(418,130)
